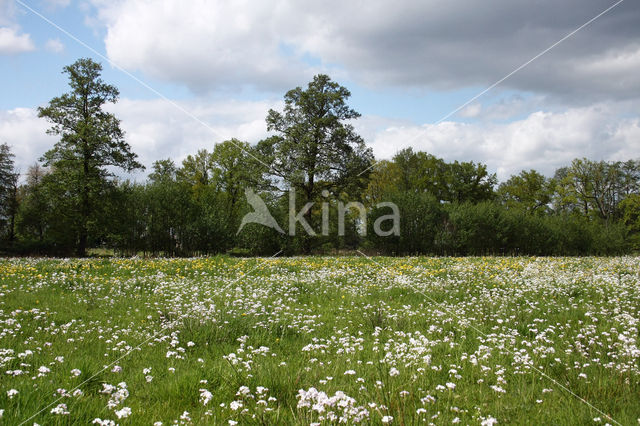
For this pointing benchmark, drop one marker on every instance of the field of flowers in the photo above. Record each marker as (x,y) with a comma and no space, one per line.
(320,340)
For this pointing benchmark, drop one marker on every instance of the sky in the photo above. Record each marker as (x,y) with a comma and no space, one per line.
(194,73)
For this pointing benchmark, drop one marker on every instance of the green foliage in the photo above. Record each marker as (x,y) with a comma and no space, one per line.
(315,157)
(8,194)
(90,141)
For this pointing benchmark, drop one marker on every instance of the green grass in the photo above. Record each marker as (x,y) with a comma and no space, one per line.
(522,339)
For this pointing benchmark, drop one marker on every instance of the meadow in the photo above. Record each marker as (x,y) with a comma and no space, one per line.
(324,340)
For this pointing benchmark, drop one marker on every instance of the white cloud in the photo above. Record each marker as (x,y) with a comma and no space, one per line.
(543,141)
(209,44)
(204,44)
(54,45)
(155,129)
(26,134)
(12,42)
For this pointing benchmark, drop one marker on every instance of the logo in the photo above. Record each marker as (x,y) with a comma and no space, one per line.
(262,216)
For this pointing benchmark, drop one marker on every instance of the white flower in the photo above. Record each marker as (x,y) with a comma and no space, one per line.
(232,422)
(235,405)
(205,396)
(489,421)
(60,409)
(387,419)
(116,369)
(456,420)
(11,393)
(101,422)
(123,413)
(1,413)
(394,372)
(190,344)
(451,385)
(185,416)
(349,372)
(75,372)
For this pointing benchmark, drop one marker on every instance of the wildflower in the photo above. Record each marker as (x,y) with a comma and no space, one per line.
(205,396)
(123,413)
(101,422)
(60,409)
(11,393)
(394,372)
(349,372)
(387,419)
(75,372)
(116,369)
(489,421)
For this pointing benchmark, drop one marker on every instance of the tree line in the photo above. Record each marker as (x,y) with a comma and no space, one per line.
(73,203)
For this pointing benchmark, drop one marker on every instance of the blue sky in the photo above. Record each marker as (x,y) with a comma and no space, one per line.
(407,64)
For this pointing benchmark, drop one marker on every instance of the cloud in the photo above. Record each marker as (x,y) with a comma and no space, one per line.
(11,42)
(54,45)
(204,44)
(543,140)
(211,44)
(26,134)
(155,129)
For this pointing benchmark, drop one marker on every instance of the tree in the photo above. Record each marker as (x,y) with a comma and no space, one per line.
(469,182)
(32,221)
(90,141)
(315,146)
(529,191)
(8,192)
